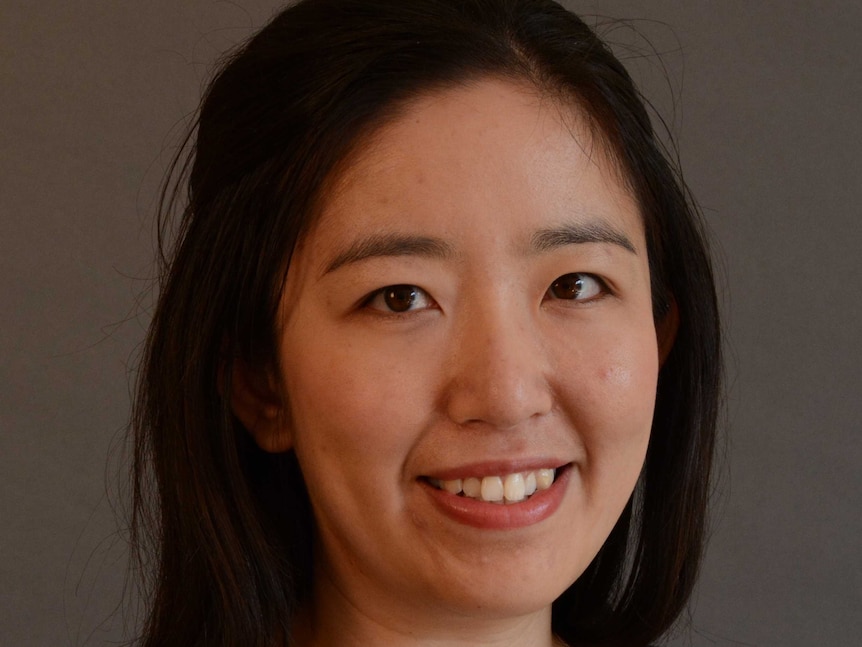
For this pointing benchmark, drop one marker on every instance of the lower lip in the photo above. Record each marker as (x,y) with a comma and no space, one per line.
(502,516)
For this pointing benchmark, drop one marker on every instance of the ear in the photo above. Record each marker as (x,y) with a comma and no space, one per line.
(256,401)
(666,329)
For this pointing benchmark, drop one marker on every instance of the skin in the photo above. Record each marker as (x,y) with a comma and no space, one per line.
(487,364)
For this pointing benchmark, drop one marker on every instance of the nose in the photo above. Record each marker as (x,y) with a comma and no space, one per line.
(498,373)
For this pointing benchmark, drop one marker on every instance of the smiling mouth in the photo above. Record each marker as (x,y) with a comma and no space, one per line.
(508,488)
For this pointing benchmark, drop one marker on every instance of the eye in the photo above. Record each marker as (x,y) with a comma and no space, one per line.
(577,286)
(399,298)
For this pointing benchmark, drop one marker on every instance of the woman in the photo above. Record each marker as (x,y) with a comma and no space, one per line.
(436,356)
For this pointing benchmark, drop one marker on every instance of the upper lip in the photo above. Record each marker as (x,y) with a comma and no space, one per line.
(496,468)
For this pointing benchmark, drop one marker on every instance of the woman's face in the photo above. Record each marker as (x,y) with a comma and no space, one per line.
(471,310)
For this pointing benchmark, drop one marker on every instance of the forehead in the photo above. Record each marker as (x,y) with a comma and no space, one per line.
(488,146)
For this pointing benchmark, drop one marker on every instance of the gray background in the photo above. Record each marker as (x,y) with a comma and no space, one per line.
(764,98)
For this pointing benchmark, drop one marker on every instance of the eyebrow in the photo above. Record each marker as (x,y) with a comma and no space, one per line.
(379,245)
(546,240)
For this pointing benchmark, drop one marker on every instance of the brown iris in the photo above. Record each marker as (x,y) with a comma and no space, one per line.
(568,286)
(400,298)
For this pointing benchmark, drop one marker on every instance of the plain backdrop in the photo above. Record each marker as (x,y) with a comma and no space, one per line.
(764,100)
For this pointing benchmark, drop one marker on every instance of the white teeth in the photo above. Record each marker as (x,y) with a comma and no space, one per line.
(492,488)
(530,483)
(452,487)
(472,487)
(544,478)
(511,488)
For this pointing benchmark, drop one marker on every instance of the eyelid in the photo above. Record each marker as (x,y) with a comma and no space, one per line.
(603,288)
(367,303)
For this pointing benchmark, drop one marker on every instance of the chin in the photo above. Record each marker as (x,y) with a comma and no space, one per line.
(517,584)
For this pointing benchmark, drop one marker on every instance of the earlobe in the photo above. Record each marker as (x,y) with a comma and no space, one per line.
(666,329)
(255,400)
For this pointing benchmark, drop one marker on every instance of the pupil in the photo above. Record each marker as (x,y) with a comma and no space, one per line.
(399,298)
(568,286)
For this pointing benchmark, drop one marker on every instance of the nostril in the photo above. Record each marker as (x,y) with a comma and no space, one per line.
(498,400)
(498,370)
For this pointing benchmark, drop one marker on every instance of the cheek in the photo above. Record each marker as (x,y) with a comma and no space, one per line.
(611,399)
(628,376)
(612,415)
(352,400)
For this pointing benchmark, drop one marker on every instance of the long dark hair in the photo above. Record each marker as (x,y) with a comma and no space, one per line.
(222,530)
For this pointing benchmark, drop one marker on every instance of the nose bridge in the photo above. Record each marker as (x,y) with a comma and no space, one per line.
(498,374)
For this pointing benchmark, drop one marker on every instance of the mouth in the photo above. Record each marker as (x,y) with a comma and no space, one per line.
(503,489)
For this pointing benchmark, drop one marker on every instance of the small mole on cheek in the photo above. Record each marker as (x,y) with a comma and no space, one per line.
(617,374)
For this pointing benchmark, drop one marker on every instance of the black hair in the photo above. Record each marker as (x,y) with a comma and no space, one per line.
(221,529)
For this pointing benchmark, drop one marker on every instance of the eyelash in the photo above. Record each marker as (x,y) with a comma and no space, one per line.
(392,290)
(601,287)
(412,292)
